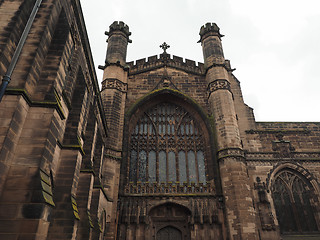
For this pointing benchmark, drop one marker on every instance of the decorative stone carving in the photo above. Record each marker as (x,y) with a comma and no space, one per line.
(113,83)
(231,152)
(282,147)
(264,208)
(218,84)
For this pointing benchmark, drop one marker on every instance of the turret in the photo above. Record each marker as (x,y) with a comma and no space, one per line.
(211,44)
(219,90)
(117,43)
(240,213)
(113,94)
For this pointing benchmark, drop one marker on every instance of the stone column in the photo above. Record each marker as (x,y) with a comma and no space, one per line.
(240,213)
(114,90)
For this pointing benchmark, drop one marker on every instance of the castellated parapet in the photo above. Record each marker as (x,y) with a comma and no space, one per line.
(157,61)
(119,26)
(154,62)
(210,28)
(118,39)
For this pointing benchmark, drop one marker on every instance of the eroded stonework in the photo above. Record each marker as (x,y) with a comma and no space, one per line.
(166,149)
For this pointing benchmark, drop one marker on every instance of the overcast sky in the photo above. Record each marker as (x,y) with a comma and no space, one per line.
(273,44)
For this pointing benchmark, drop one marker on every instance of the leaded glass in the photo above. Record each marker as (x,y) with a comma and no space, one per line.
(142,166)
(201,168)
(182,167)
(162,166)
(192,166)
(291,196)
(166,145)
(152,166)
(172,166)
(133,166)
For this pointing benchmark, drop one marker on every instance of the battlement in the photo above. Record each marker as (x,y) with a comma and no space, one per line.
(154,62)
(118,26)
(211,28)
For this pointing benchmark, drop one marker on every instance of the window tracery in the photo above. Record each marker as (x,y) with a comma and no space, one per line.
(166,145)
(292,196)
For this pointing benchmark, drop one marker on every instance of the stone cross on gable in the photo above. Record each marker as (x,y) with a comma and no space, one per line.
(164,46)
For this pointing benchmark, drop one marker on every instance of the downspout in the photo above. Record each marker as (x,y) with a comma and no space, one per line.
(7,77)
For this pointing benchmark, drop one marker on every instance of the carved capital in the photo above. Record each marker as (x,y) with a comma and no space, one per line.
(217,85)
(113,83)
(282,148)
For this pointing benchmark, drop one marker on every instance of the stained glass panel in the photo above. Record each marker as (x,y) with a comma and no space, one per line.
(142,166)
(133,166)
(182,167)
(201,167)
(152,170)
(163,135)
(172,166)
(162,166)
(192,167)
(291,197)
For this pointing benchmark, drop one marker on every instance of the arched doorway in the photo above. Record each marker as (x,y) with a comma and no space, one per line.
(170,222)
(169,233)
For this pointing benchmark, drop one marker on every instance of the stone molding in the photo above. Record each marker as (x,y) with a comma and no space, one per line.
(271,156)
(231,153)
(76,147)
(295,166)
(113,83)
(169,189)
(113,154)
(226,65)
(217,85)
(118,64)
(285,132)
(45,104)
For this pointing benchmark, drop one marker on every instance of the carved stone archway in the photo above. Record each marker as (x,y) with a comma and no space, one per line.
(170,221)
(169,233)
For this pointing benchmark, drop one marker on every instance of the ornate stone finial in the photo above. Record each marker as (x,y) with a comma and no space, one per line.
(164,46)
(210,28)
(118,26)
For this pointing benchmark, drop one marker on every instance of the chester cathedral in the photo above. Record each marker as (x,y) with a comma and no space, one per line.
(165,149)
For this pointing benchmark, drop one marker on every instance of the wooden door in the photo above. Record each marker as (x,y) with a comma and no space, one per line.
(169,233)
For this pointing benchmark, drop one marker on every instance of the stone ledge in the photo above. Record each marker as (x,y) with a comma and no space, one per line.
(72,147)
(49,104)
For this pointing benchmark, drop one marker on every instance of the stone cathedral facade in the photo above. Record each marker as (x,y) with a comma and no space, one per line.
(165,149)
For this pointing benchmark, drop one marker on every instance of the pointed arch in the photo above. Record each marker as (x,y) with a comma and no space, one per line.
(296,167)
(170,221)
(166,203)
(185,112)
(295,199)
(169,233)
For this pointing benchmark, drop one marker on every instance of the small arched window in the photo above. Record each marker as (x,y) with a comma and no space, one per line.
(292,196)
(166,145)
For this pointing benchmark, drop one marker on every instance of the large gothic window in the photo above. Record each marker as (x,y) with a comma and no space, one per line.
(166,145)
(292,196)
